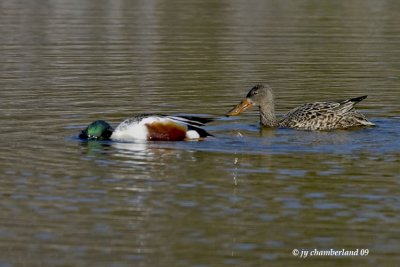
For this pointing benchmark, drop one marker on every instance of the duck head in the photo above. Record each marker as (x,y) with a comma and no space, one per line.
(97,130)
(260,95)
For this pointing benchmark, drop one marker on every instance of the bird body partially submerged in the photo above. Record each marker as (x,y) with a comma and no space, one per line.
(310,116)
(149,127)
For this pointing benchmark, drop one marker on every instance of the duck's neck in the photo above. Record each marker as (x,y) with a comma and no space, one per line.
(267,114)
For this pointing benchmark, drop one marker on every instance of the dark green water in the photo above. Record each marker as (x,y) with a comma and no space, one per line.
(247,197)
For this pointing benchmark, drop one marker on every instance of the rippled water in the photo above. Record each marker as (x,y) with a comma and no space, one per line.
(247,196)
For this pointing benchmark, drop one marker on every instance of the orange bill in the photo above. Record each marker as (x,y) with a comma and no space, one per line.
(244,105)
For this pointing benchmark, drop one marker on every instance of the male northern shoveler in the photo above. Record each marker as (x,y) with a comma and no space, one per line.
(149,127)
(311,116)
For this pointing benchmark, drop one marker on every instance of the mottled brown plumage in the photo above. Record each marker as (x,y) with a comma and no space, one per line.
(311,116)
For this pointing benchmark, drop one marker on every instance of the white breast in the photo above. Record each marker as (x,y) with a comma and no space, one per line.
(130,130)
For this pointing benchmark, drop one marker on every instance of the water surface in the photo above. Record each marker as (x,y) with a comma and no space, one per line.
(247,196)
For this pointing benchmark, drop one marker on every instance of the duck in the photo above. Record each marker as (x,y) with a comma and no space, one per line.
(317,116)
(149,127)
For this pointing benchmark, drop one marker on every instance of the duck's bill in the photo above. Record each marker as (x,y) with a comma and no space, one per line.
(243,106)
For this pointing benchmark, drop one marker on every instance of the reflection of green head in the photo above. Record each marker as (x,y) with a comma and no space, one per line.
(98,130)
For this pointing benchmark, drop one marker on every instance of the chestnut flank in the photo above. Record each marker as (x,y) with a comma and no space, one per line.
(166,131)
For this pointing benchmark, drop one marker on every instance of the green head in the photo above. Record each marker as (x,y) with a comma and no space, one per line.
(97,130)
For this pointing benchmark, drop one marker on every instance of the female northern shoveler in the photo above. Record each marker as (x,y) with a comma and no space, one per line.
(311,116)
(149,127)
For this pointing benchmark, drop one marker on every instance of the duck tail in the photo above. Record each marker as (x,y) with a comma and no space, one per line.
(192,120)
(358,99)
(200,131)
(198,119)
(348,104)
